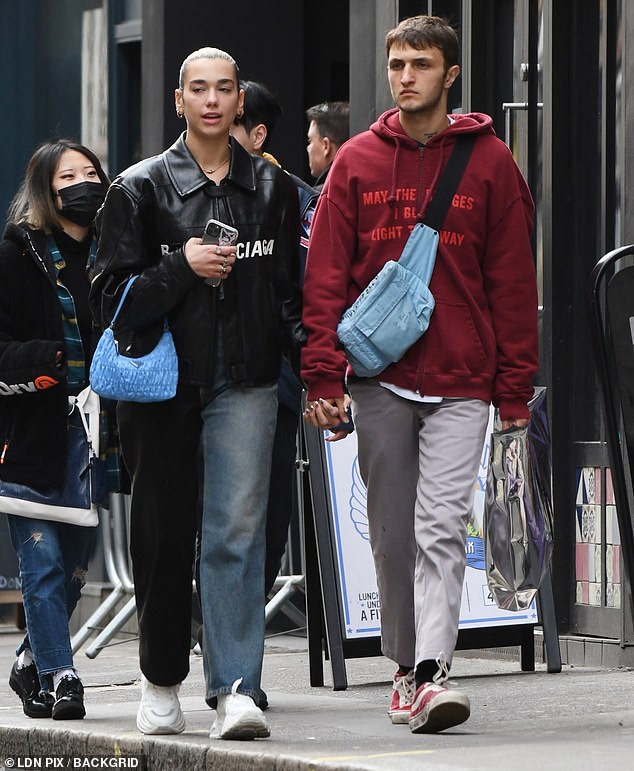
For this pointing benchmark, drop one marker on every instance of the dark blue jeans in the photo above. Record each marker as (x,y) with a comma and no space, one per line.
(53,559)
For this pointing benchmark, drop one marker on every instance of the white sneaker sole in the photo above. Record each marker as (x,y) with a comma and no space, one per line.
(399,716)
(251,725)
(444,711)
(160,724)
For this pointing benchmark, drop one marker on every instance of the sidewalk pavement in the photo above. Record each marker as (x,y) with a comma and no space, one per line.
(581,718)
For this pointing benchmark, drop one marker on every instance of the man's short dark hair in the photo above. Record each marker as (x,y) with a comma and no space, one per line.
(260,106)
(332,120)
(426,32)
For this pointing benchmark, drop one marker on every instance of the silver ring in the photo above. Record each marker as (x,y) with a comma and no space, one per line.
(218,250)
(224,269)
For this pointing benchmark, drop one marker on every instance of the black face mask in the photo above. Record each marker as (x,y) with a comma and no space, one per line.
(80,202)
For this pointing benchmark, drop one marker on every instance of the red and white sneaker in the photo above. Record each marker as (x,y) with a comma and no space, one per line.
(403,692)
(435,708)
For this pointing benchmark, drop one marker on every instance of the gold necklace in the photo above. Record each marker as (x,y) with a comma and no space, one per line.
(213,171)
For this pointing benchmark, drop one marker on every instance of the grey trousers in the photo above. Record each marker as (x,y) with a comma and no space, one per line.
(419,462)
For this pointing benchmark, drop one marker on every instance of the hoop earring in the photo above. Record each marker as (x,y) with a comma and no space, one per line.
(179,113)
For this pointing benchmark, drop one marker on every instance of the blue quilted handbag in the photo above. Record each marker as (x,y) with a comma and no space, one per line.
(149,378)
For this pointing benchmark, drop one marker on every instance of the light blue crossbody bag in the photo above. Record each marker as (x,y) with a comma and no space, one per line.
(394,310)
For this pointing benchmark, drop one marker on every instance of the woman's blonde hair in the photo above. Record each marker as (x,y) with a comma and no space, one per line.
(206,53)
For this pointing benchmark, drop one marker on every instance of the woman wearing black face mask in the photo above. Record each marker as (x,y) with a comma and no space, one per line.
(45,330)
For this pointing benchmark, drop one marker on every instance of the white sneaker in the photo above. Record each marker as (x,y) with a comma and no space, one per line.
(160,710)
(238,717)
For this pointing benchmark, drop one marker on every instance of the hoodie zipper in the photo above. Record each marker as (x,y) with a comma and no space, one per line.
(421,180)
(421,177)
(420,215)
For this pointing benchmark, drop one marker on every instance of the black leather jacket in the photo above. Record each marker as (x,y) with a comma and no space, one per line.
(150,211)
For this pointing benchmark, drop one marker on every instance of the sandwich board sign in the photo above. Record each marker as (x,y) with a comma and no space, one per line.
(359,596)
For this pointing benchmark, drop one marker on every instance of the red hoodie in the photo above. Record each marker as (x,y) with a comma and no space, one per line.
(482,338)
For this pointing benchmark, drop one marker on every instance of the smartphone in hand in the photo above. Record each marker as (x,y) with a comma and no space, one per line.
(221,234)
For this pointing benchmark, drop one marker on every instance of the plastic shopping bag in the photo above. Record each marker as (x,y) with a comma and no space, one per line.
(518,516)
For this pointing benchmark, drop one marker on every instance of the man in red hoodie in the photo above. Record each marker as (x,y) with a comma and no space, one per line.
(421,422)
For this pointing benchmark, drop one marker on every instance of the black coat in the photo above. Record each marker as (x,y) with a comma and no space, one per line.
(33,391)
(150,211)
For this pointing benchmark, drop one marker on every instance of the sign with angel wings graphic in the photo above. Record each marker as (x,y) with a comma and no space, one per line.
(360,600)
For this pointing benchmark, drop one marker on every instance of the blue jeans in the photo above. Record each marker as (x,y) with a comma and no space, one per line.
(162,442)
(237,440)
(53,559)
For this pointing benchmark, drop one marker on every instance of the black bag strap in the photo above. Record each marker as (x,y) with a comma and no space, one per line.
(447,184)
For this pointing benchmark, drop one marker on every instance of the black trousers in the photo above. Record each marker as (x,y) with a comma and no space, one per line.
(160,448)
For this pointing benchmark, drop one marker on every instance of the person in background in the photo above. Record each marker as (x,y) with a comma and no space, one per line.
(421,422)
(328,129)
(230,336)
(46,339)
(254,130)
(254,127)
